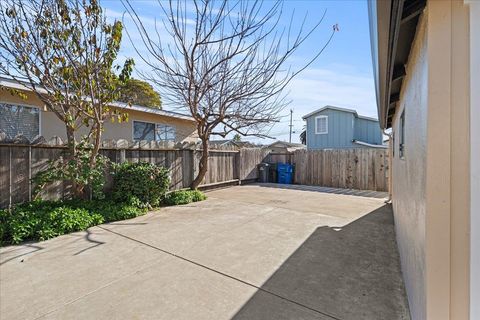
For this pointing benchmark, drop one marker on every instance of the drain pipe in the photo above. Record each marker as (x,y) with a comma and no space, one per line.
(390,161)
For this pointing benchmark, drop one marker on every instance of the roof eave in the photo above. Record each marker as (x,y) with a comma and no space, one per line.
(354,112)
(392,29)
(25,86)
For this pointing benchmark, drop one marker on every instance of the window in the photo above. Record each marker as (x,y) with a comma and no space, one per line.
(401,143)
(321,125)
(153,131)
(19,120)
(393,144)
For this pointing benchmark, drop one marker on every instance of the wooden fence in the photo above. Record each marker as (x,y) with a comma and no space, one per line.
(359,168)
(19,163)
(364,169)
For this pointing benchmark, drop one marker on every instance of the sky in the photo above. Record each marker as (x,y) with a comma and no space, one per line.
(342,75)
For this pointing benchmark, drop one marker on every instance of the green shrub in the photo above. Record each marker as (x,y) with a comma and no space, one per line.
(77,170)
(41,220)
(198,195)
(142,180)
(114,211)
(184,197)
(3,225)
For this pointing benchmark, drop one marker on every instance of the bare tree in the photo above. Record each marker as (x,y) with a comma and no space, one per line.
(64,51)
(225,63)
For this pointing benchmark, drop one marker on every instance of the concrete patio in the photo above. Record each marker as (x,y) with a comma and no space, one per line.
(248,252)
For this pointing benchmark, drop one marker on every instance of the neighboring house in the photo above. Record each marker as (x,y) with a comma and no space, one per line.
(426,58)
(30,118)
(339,128)
(284,147)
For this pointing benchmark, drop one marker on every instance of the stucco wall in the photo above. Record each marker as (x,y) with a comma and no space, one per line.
(431,185)
(459,155)
(409,174)
(51,126)
(474,158)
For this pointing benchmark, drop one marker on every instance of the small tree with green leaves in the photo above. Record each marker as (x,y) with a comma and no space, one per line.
(237,137)
(140,92)
(65,52)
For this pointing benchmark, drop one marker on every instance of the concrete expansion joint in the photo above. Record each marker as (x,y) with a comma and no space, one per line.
(97,289)
(206,268)
(273,207)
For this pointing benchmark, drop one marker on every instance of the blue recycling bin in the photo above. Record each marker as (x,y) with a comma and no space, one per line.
(285,173)
(285,177)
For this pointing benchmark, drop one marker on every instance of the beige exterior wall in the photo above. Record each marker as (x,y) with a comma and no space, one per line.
(431,190)
(409,174)
(460,159)
(474,158)
(51,126)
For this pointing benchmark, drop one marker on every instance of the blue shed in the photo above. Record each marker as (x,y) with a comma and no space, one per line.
(339,128)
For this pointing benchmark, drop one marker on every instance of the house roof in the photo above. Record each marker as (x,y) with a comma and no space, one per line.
(10,83)
(338,109)
(370,145)
(392,28)
(220,141)
(239,144)
(286,144)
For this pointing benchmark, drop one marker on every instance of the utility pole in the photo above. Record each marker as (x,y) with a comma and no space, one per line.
(291,126)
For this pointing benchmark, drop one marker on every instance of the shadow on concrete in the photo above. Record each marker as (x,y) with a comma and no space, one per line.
(35,248)
(127,223)
(88,237)
(351,272)
(351,192)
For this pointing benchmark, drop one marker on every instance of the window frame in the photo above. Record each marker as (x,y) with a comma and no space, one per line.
(401,139)
(326,124)
(39,108)
(155,130)
(393,143)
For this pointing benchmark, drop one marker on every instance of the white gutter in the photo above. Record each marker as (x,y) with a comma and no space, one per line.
(379,146)
(25,86)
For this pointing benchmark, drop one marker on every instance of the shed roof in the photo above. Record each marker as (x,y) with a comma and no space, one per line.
(10,83)
(288,146)
(338,109)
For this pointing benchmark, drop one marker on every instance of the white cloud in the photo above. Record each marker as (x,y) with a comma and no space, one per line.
(338,85)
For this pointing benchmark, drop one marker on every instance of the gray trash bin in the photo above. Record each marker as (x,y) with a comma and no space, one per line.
(263,172)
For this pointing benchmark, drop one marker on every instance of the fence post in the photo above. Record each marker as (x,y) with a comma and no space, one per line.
(193,165)
(238,163)
(29,173)
(9,177)
(122,156)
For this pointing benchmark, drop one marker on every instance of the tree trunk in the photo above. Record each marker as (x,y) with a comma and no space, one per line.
(77,189)
(96,145)
(203,165)
(71,143)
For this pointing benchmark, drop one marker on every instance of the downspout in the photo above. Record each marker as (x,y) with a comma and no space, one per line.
(390,169)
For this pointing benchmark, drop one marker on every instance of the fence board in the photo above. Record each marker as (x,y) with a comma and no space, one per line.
(20,182)
(39,162)
(249,159)
(5,176)
(365,169)
(361,168)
